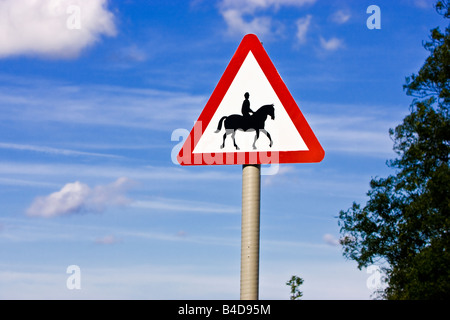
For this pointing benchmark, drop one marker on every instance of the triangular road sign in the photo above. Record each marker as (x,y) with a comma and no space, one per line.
(251,117)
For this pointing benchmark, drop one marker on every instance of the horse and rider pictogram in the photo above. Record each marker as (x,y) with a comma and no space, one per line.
(248,121)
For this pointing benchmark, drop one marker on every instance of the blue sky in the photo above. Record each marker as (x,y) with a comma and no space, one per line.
(91,94)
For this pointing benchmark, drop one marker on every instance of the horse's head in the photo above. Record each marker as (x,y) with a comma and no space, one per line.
(264,111)
(271,111)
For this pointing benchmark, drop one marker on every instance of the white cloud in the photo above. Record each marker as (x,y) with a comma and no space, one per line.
(240,15)
(52,28)
(302,28)
(331,240)
(341,16)
(238,25)
(78,197)
(71,198)
(283,171)
(331,44)
(113,194)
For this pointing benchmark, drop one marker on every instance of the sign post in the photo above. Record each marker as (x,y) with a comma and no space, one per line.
(250,119)
(251,190)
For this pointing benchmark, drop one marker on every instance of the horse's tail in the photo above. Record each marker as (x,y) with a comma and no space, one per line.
(220,124)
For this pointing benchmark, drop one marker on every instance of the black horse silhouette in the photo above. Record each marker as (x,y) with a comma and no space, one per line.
(254,122)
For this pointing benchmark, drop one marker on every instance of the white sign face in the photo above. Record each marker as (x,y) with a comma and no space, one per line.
(279,133)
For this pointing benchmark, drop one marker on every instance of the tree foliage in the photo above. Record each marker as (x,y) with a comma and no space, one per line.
(295,283)
(405,224)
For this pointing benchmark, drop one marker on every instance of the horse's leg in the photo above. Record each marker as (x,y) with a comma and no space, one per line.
(224,137)
(256,138)
(234,140)
(268,136)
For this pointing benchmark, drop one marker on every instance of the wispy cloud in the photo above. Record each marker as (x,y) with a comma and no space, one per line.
(247,6)
(134,53)
(341,16)
(138,173)
(133,281)
(165,204)
(56,151)
(25,230)
(78,197)
(331,44)
(424,4)
(98,105)
(302,28)
(207,240)
(108,240)
(57,29)
(356,129)
(26,183)
(245,16)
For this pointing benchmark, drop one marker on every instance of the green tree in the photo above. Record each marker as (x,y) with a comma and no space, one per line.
(405,224)
(295,283)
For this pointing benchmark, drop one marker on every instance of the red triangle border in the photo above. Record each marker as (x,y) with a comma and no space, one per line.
(315,152)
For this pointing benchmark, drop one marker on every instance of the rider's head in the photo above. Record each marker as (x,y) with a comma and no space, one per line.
(246,95)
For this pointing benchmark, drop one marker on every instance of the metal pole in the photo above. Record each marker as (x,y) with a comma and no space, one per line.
(251,189)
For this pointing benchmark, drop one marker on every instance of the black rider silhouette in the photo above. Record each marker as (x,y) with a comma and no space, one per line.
(246,107)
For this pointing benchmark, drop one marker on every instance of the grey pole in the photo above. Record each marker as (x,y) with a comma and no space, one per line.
(251,189)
